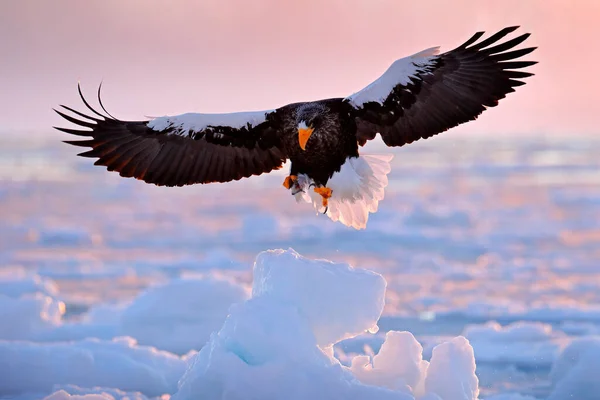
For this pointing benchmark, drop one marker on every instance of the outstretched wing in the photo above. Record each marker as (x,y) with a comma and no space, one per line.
(425,94)
(181,150)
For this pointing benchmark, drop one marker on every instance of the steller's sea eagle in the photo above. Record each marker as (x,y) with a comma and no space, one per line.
(417,97)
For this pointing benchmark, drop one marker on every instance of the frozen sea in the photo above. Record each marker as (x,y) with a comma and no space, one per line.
(493,238)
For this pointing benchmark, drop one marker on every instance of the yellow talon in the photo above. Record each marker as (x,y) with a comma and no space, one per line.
(290,181)
(325,193)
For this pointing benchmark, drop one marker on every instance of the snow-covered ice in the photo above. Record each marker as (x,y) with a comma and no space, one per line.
(575,372)
(529,344)
(27,316)
(181,315)
(321,290)
(493,238)
(278,343)
(120,363)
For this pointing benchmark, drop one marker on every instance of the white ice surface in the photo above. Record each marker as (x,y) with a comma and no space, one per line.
(531,344)
(16,284)
(338,301)
(575,373)
(180,316)
(474,228)
(29,315)
(121,363)
(73,392)
(278,344)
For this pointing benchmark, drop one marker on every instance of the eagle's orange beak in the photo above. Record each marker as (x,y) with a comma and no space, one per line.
(303,136)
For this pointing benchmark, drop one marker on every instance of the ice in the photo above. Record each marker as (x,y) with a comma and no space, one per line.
(511,396)
(574,374)
(120,363)
(398,364)
(29,315)
(180,316)
(451,372)
(73,392)
(337,300)
(19,284)
(177,316)
(278,343)
(63,395)
(533,344)
(483,233)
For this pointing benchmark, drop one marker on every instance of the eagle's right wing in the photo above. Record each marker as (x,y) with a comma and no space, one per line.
(425,94)
(184,149)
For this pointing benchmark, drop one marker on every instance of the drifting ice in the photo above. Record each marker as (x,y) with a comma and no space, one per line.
(278,343)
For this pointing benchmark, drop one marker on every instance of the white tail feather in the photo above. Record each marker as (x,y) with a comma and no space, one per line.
(357,189)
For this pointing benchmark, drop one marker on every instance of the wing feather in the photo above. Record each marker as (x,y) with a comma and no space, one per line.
(179,150)
(425,94)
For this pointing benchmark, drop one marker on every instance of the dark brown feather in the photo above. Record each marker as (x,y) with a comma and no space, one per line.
(135,150)
(454,88)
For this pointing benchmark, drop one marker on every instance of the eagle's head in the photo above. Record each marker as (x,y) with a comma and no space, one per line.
(309,119)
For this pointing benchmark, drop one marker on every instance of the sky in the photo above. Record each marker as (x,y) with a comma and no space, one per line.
(168,57)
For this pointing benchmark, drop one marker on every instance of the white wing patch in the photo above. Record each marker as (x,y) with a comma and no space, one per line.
(399,73)
(356,189)
(198,122)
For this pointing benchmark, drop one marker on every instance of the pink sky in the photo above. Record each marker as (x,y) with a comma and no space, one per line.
(159,57)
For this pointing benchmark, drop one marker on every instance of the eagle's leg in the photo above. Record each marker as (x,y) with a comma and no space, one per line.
(290,181)
(325,193)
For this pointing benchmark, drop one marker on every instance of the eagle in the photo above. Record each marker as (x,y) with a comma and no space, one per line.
(417,97)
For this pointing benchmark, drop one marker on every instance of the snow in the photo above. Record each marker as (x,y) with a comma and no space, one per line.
(29,315)
(398,365)
(19,283)
(575,372)
(73,392)
(278,343)
(198,121)
(451,373)
(524,343)
(399,73)
(473,229)
(180,316)
(286,277)
(120,363)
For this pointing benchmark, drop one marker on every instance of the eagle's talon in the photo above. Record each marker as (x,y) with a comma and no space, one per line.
(290,181)
(325,193)
(326,208)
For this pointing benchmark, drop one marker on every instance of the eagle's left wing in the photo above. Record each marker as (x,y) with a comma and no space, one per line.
(425,94)
(183,149)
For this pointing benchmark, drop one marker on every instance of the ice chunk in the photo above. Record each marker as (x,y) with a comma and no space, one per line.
(63,395)
(574,374)
(121,363)
(523,343)
(180,315)
(337,300)
(398,364)
(451,372)
(24,317)
(72,392)
(20,285)
(276,345)
(266,350)
(510,396)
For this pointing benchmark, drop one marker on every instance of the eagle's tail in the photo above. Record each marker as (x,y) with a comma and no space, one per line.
(356,190)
